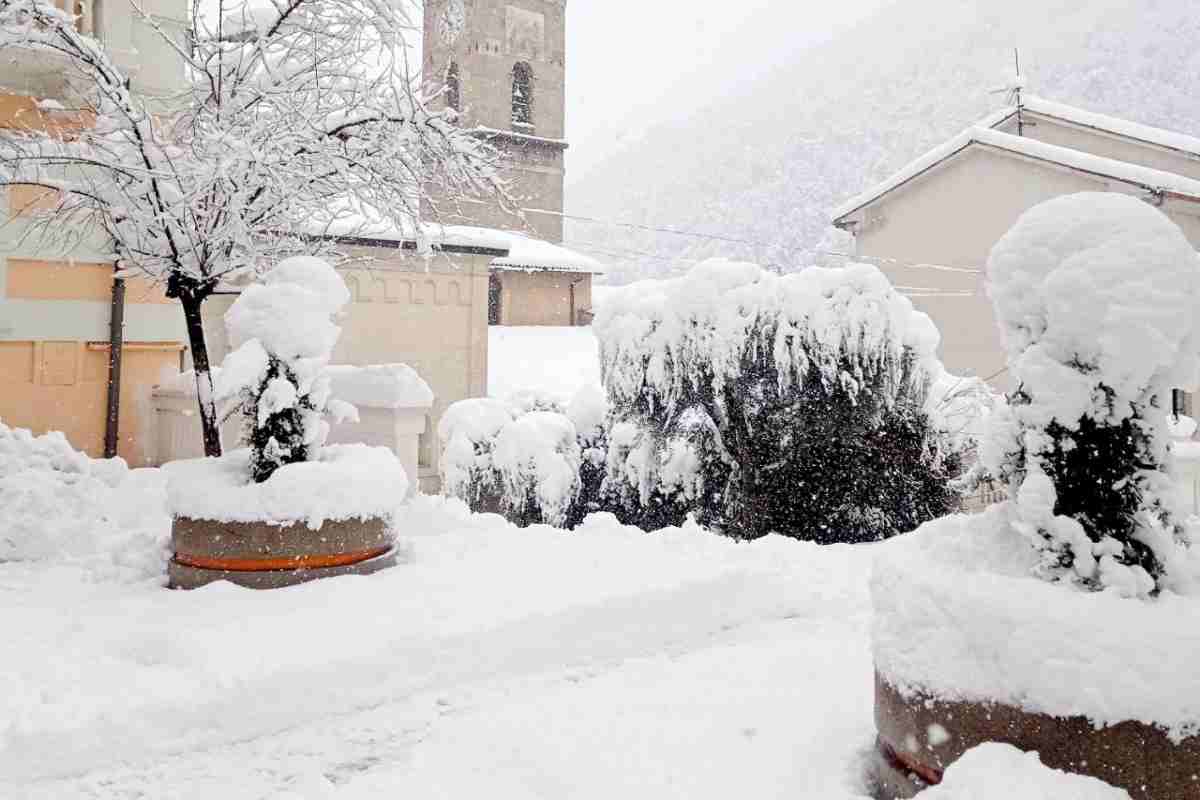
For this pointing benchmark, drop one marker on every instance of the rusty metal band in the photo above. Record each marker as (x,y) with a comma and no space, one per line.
(276,564)
(906,763)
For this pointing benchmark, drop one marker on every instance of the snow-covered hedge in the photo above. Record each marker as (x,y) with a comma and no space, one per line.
(774,403)
(1096,295)
(519,457)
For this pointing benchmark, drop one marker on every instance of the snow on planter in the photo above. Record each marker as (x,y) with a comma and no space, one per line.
(344,482)
(1096,297)
(1066,620)
(287,508)
(1001,772)
(959,616)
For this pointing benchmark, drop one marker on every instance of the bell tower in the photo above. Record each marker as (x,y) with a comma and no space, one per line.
(502,65)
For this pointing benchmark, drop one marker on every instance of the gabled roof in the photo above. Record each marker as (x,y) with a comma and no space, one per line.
(1130,130)
(985,136)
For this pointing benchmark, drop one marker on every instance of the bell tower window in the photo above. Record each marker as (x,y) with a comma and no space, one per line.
(522,95)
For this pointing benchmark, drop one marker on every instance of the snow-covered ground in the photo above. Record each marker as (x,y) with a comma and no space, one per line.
(494,662)
(553,360)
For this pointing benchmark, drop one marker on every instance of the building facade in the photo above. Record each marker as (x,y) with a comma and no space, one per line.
(57,308)
(501,65)
(931,226)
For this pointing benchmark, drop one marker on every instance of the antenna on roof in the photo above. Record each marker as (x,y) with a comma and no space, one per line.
(1012,92)
(1018,84)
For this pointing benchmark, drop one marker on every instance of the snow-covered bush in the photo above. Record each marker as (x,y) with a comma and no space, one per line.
(1096,296)
(467,433)
(276,378)
(588,412)
(774,403)
(521,457)
(538,460)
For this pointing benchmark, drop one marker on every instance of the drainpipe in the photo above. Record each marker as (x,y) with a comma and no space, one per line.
(572,285)
(116,343)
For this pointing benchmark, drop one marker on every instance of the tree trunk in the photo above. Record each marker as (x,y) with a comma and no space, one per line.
(204,384)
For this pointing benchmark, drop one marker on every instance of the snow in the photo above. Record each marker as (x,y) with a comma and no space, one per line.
(1095,295)
(994,771)
(527,662)
(557,361)
(983,134)
(380,386)
(525,252)
(958,615)
(57,506)
(538,458)
(345,481)
(1121,127)
(660,339)
(289,311)
(588,409)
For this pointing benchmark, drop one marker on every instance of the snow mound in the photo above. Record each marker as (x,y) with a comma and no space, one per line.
(661,340)
(59,505)
(995,771)
(959,615)
(345,481)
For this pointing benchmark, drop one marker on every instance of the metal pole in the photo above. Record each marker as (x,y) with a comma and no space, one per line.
(116,343)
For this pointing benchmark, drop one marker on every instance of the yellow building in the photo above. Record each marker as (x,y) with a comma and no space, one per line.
(59,311)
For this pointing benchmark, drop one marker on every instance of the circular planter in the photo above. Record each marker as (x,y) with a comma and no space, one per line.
(970,648)
(261,555)
(919,736)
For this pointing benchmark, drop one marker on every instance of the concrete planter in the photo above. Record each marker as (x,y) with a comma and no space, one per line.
(919,736)
(260,555)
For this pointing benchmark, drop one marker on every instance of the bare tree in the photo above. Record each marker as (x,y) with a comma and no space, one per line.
(297,117)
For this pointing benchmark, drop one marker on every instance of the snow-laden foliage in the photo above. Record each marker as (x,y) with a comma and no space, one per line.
(1096,296)
(521,457)
(276,378)
(467,434)
(538,460)
(294,117)
(774,403)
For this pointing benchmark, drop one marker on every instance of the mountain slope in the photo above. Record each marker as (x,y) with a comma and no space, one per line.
(767,165)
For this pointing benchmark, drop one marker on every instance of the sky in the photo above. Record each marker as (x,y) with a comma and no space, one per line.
(632,64)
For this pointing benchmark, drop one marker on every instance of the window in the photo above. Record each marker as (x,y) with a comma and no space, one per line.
(453,87)
(522,94)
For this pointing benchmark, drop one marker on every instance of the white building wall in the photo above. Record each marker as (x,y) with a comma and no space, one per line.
(952,217)
(1104,144)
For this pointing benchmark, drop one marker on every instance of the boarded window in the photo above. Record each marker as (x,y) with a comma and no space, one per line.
(522,94)
(453,87)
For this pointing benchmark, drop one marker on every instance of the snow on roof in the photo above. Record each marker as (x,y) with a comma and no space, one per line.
(528,253)
(524,252)
(1121,127)
(1152,179)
